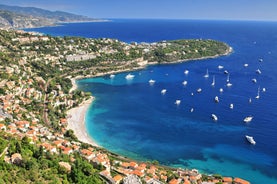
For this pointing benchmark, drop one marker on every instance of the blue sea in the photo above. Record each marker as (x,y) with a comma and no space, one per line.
(133,118)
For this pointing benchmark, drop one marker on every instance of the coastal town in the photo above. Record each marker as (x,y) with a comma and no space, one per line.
(40,106)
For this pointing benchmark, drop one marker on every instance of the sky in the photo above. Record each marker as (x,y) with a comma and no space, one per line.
(161,9)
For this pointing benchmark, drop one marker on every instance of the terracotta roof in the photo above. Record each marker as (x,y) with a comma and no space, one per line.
(240,181)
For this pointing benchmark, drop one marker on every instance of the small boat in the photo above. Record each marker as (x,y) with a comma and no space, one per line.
(226,72)
(163,91)
(263,90)
(151,81)
(191,110)
(228,78)
(248,119)
(185,83)
(207,74)
(186,72)
(129,76)
(220,67)
(250,139)
(177,102)
(258,93)
(245,65)
(213,83)
(191,94)
(112,76)
(229,84)
(221,90)
(199,90)
(216,99)
(231,106)
(214,117)
(258,71)
(250,100)
(254,80)
(228,81)
(261,60)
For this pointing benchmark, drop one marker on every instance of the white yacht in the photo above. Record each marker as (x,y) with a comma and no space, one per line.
(231,106)
(199,90)
(248,119)
(250,139)
(221,90)
(228,81)
(163,91)
(245,65)
(264,90)
(250,100)
(177,102)
(260,60)
(191,110)
(258,93)
(258,71)
(186,72)
(185,82)
(213,83)
(129,76)
(207,74)
(216,99)
(220,67)
(214,117)
(151,81)
(112,76)
(229,84)
(254,80)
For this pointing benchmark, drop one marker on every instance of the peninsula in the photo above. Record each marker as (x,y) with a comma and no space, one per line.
(41,139)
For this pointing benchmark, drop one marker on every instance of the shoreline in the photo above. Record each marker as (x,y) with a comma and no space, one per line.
(76,122)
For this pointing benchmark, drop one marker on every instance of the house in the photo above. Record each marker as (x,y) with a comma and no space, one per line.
(240,181)
(117,178)
(3,127)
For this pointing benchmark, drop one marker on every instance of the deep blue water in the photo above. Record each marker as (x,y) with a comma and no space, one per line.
(134,119)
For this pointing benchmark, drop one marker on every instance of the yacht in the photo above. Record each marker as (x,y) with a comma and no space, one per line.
(177,102)
(199,90)
(250,139)
(151,81)
(245,65)
(221,90)
(254,80)
(207,74)
(214,117)
(260,60)
(250,100)
(264,90)
(231,106)
(186,72)
(248,119)
(129,76)
(191,110)
(258,93)
(220,67)
(226,72)
(213,83)
(228,78)
(185,82)
(112,76)
(163,91)
(258,71)
(216,99)
(229,84)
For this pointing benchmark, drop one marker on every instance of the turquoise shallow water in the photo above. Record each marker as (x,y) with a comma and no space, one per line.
(134,119)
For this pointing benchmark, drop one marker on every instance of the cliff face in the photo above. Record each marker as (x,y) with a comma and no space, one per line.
(28,17)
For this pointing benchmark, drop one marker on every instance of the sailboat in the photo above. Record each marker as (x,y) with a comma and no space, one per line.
(213,83)
(258,93)
(228,81)
(207,74)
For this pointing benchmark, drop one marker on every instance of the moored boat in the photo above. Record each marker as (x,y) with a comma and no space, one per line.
(248,119)
(250,139)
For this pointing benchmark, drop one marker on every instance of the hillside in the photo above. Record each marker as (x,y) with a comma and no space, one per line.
(28,17)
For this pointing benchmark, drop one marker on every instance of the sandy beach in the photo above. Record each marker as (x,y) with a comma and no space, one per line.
(76,122)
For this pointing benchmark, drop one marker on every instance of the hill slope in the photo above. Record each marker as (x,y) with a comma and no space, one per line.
(27,17)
